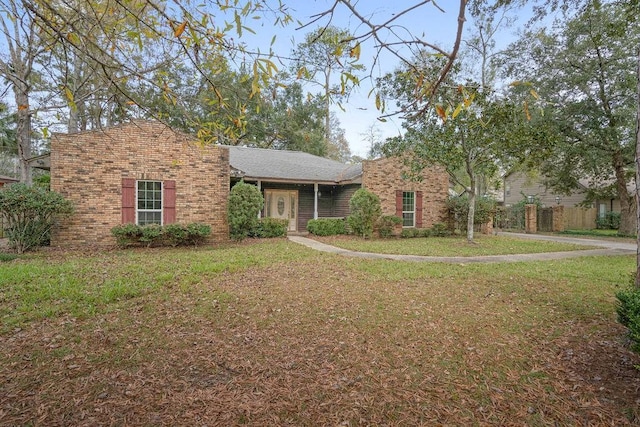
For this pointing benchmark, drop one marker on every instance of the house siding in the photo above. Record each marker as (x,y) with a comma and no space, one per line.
(384,178)
(517,185)
(88,168)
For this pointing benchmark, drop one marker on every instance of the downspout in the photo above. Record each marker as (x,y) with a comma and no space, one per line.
(315,200)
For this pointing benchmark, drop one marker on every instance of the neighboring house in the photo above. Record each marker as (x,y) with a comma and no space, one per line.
(6,180)
(144,172)
(518,183)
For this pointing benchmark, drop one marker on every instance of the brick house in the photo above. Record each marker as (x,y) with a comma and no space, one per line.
(144,172)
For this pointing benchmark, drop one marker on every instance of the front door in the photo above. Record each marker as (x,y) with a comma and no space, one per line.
(282,204)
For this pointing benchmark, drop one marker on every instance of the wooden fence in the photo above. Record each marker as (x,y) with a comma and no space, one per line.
(512,218)
(580,218)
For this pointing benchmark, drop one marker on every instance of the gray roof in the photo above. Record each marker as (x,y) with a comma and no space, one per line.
(290,166)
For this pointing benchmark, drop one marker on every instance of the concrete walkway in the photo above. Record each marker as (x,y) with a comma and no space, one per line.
(605,247)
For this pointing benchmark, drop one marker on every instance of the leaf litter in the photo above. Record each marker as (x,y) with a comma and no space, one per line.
(319,342)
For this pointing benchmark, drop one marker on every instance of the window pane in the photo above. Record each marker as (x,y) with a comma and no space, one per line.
(407,220)
(408,209)
(149,202)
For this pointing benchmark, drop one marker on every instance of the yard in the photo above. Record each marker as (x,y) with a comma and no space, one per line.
(272,333)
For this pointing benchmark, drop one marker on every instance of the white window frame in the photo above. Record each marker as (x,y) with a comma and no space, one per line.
(412,211)
(160,210)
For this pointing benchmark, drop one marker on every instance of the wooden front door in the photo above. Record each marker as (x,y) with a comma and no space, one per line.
(282,204)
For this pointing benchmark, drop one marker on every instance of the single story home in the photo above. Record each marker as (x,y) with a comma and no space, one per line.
(145,172)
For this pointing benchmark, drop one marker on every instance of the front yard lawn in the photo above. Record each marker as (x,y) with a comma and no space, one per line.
(273,333)
(449,246)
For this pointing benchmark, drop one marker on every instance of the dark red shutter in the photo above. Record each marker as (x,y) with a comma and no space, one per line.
(418,209)
(399,203)
(169,202)
(128,200)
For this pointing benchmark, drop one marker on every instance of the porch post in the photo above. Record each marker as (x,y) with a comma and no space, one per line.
(260,188)
(315,200)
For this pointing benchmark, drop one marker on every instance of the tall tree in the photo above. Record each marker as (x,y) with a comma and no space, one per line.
(585,70)
(328,53)
(24,44)
(472,132)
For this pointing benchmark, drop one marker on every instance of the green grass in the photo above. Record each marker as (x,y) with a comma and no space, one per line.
(274,333)
(78,286)
(451,246)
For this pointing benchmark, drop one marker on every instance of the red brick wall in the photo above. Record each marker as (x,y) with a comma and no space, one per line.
(88,168)
(384,177)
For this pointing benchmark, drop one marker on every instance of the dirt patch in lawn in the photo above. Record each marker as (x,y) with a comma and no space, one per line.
(321,342)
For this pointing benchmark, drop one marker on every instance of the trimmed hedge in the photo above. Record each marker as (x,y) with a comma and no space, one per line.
(438,230)
(157,235)
(327,226)
(270,227)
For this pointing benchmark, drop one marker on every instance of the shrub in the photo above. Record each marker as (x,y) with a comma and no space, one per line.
(628,309)
(196,233)
(387,225)
(175,234)
(365,211)
(409,233)
(458,209)
(126,234)
(153,234)
(439,230)
(610,221)
(326,226)
(245,202)
(30,213)
(270,227)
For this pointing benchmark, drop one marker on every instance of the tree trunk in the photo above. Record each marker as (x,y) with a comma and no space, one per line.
(472,196)
(637,282)
(471,215)
(23,133)
(627,218)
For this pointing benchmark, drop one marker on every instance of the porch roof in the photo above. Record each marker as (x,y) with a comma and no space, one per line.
(290,166)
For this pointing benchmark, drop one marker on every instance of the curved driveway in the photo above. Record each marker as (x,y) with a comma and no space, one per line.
(605,247)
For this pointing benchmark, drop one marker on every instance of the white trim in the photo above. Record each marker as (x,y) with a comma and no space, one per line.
(413,212)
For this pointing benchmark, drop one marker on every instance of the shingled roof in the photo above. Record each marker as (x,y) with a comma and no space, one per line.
(290,166)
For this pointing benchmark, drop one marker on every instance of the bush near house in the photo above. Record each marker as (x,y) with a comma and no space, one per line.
(610,221)
(458,209)
(438,230)
(387,225)
(365,212)
(30,213)
(327,226)
(270,227)
(156,235)
(244,204)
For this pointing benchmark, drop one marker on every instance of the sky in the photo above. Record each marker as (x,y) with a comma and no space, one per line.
(427,22)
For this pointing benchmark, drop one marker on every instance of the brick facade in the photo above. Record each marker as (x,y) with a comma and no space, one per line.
(88,168)
(384,178)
